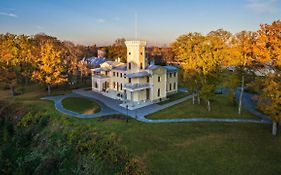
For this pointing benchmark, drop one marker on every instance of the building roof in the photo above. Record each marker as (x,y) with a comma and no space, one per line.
(122,68)
(114,63)
(152,67)
(101,69)
(138,74)
(171,68)
(95,60)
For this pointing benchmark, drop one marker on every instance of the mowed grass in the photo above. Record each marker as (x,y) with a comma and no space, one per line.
(81,105)
(174,97)
(188,148)
(221,108)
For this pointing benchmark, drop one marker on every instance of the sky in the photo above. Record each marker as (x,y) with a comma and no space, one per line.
(159,22)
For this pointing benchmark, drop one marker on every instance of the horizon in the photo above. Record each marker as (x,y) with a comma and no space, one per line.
(159,22)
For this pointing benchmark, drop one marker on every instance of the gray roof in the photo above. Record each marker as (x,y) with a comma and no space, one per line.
(171,68)
(101,69)
(152,67)
(95,60)
(123,68)
(138,74)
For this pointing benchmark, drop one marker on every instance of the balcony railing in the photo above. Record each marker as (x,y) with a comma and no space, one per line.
(136,86)
(100,76)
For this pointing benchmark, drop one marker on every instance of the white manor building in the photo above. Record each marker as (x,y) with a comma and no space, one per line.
(136,82)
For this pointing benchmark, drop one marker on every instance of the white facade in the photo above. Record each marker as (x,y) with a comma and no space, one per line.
(135,83)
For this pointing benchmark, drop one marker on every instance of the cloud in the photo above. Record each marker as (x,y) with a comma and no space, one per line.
(100,20)
(9,14)
(39,27)
(262,6)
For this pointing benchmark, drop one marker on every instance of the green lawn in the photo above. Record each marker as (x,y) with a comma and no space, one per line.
(189,148)
(174,97)
(81,105)
(221,108)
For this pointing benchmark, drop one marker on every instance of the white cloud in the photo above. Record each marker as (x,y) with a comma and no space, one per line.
(262,6)
(100,20)
(39,27)
(9,14)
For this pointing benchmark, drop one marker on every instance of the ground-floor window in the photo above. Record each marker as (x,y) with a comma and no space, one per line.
(170,86)
(158,92)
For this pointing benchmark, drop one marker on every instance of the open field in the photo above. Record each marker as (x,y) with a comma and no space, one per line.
(183,148)
(221,108)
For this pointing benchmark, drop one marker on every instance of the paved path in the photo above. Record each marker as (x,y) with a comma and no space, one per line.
(105,111)
(110,106)
(249,105)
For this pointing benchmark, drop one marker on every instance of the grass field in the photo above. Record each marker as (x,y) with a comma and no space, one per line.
(221,108)
(174,97)
(81,105)
(187,148)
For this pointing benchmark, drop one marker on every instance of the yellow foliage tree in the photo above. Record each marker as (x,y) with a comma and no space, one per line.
(50,69)
(268,50)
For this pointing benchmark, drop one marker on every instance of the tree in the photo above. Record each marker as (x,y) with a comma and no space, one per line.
(83,68)
(202,57)
(242,56)
(118,50)
(9,61)
(50,69)
(268,51)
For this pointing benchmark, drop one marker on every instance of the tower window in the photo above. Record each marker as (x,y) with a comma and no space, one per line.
(141,53)
(159,78)
(158,92)
(141,66)
(129,53)
(129,66)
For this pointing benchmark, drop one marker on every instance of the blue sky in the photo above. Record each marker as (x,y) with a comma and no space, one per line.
(159,21)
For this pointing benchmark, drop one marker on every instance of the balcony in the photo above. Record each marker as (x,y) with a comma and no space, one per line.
(100,76)
(136,86)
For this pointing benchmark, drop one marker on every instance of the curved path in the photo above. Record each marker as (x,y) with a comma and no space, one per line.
(110,107)
(105,111)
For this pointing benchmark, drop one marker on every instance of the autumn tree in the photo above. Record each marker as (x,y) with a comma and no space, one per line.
(83,69)
(118,50)
(9,61)
(268,50)
(241,55)
(201,57)
(50,69)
